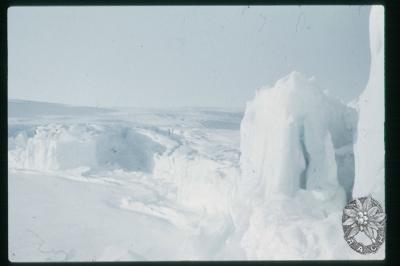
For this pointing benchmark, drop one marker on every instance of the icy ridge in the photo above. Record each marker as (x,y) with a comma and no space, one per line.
(63,147)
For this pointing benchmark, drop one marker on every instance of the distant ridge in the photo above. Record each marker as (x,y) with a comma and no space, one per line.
(18,107)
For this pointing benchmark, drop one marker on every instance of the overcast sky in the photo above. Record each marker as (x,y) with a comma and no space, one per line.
(182,56)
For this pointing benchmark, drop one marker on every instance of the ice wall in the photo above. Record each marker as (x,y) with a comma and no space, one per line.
(369,147)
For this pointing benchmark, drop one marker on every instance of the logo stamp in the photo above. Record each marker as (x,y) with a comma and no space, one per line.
(363,223)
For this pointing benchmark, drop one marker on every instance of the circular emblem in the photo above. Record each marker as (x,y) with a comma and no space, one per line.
(363,223)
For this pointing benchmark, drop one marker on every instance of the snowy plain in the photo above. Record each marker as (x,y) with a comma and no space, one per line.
(113,185)
(268,182)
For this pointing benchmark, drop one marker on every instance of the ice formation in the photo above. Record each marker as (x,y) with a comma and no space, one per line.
(289,137)
(369,147)
(63,147)
(294,141)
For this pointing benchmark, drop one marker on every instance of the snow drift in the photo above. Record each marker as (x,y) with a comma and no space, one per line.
(202,183)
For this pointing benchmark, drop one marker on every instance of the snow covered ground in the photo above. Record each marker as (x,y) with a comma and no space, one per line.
(120,184)
(267,182)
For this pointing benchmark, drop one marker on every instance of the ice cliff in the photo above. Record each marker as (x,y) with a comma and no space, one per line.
(369,147)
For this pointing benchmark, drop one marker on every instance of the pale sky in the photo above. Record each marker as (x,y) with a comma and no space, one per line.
(182,56)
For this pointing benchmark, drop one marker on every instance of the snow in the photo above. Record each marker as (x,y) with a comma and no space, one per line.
(54,219)
(127,184)
(96,184)
(370,147)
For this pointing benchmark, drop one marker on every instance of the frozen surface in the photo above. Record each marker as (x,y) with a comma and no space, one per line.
(268,182)
(128,184)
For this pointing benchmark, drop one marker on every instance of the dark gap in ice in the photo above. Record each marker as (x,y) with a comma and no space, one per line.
(306,155)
